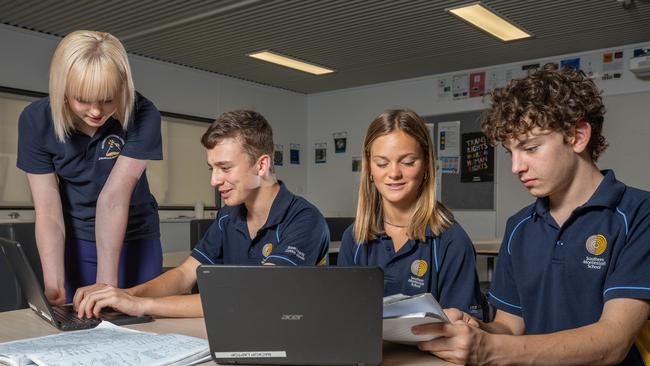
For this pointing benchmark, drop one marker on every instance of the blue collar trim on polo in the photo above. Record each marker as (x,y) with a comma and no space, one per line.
(279,207)
(608,194)
(277,213)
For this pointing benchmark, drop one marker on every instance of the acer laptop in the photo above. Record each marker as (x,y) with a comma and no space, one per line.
(62,317)
(293,315)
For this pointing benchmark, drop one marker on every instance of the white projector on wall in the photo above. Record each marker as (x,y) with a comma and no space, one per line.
(640,66)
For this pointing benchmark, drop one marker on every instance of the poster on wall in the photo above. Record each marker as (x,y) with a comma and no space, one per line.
(356,164)
(444,88)
(476,84)
(477,158)
(294,153)
(571,63)
(448,149)
(495,79)
(340,142)
(592,65)
(529,69)
(641,51)
(514,73)
(459,86)
(320,152)
(612,65)
(278,155)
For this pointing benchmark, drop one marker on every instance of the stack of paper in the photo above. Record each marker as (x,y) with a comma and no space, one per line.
(107,344)
(402,312)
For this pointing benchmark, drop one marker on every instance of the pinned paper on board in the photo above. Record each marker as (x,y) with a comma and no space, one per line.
(448,149)
(477,160)
(444,88)
(459,86)
(476,84)
(612,65)
(278,155)
(356,164)
(294,153)
(320,152)
(340,142)
(570,63)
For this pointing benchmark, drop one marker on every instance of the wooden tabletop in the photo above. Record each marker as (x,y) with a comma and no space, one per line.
(487,247)
(25,323)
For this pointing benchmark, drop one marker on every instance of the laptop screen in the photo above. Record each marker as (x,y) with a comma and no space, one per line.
(293,315)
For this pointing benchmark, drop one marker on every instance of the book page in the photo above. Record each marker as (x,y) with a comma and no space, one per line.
(401,313)
(398,330)
(107,344)
(399,305)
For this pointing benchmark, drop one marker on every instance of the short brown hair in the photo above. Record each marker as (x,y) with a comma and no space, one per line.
(550,99)
(249,127)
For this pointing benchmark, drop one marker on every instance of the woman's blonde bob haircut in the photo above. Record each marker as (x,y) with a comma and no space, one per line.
(91,67)
(427,211)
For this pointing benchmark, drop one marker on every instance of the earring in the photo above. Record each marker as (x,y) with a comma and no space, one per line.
(426,175)
(371,178)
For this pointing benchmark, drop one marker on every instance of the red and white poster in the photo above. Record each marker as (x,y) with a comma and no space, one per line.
(476,84)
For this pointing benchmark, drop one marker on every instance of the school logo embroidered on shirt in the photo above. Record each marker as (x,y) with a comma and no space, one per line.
(595,245)
(111,147)
(267,249)
(419,267)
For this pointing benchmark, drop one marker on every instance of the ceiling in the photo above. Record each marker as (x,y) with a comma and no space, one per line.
(366,41)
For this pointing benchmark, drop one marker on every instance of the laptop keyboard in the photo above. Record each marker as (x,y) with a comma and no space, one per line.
(67,315)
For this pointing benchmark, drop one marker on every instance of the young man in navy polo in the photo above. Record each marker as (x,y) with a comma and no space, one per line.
(262,224)
(572,282)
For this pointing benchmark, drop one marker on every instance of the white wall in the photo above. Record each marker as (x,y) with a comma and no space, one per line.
(332,186)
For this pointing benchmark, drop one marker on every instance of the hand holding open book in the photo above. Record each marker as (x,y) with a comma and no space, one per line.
(402,312)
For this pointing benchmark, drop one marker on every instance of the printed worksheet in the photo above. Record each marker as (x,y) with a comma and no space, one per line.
(107,344)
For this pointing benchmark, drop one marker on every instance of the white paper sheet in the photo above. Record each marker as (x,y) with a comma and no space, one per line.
(107,344)
(401,313)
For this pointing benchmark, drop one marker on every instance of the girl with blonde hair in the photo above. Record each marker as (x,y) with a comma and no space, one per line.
(401,227)
(85,149)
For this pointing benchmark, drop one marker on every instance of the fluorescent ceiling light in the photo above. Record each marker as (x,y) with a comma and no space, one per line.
(480,16)
(275,58)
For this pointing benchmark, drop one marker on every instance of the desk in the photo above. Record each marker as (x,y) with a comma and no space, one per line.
(490,249)
(25,323)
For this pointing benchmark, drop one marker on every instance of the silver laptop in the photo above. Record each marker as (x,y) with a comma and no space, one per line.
(293,315)
(63,317)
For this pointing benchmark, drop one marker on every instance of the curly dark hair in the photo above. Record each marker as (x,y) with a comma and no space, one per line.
(550,99)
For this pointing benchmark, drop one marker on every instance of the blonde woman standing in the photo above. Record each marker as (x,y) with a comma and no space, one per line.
(85,149)
(401,227)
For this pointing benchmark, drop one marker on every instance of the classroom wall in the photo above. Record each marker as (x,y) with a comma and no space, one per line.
(298,118)
(25,63)
(333,186)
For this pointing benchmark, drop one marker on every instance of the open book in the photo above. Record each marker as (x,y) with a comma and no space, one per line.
(107,344)
(402,312)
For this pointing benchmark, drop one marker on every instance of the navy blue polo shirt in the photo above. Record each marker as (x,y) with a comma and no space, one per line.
(559,278)
(82,164)
(443,265)
(295,233)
